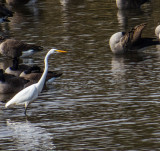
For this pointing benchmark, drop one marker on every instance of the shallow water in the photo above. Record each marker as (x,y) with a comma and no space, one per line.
(102,102)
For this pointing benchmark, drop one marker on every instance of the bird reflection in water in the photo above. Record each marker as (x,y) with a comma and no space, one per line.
(124,15)
(121,64)
(27,136)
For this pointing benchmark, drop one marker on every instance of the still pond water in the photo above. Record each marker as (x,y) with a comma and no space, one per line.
(101,102)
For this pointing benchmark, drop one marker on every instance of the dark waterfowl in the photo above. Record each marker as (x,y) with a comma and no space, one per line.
(32,73)
(18,3)
(128,4)
(10,83)
(4,19)
(16,69)
(16,48)
(35,75)
(4,11)
(121,42)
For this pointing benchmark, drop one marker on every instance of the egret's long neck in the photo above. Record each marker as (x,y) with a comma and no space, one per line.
(41,82)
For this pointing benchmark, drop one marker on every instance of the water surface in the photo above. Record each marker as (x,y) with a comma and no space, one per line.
(102,102)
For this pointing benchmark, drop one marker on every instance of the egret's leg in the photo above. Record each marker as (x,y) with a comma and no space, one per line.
(25,111)
(26,105)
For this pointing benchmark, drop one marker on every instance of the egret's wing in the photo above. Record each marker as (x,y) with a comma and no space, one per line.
(26,95)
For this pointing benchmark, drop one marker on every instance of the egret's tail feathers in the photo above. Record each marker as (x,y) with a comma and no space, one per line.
(7,104)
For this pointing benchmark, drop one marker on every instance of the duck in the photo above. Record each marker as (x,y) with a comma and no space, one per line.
(131,41)
(32,73)
(4,19)
(15,3)
(4,11)
(129,4)
(35,75)
(157,31)
(13,48)
(16,69)
(10,83)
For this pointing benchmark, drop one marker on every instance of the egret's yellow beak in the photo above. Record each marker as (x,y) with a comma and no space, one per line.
(61,51)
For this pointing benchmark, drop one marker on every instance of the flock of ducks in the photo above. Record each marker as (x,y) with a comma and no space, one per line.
(26,81)
(131,41)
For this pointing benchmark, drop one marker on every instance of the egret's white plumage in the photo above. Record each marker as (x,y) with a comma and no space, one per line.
(29,94)
(26,96)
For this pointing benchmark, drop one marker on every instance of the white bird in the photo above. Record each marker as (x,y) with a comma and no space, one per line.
(157,31)
(30,93)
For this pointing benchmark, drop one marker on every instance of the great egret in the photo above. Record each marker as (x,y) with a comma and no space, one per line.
(30,93)
(128,4)
(121,42)
(10,83)
(15,48)
(157,31)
